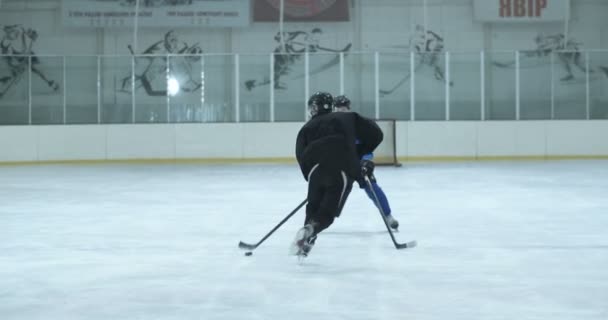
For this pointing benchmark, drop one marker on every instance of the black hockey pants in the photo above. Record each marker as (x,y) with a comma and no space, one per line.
(327,193)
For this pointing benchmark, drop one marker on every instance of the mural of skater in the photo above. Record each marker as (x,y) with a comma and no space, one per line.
(428,48)
(16,46)
(295,45)
(568,53)
(151,67)
(572,55)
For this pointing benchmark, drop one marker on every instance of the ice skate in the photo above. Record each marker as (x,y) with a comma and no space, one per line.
(304,241)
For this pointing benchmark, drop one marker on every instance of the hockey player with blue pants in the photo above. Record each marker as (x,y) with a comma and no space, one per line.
(342,104)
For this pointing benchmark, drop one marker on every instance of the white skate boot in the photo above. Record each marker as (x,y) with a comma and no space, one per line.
(304,241)
(392,222)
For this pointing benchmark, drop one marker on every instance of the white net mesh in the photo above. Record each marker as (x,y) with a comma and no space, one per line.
(386,153)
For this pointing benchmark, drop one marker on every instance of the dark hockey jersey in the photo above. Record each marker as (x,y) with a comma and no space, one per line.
(330,141)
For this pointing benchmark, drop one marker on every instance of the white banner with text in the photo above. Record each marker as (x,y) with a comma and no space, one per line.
(521,10)
(156,13)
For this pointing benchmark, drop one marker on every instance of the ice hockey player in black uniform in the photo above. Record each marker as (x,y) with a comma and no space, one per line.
(329,158)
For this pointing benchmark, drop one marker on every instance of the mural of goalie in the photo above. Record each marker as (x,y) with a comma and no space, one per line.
(16,46)
(151,67)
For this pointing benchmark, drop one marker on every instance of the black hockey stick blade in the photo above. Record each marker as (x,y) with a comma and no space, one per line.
(247,246)
(396,86)
(504,64)
(406,245)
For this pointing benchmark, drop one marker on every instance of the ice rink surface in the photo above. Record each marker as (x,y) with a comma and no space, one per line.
(496,240)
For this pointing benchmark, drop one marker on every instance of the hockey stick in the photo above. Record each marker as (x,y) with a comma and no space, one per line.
(397,85)
(12,80)
(345,49)
(405,245)
(248,246)
(400,82)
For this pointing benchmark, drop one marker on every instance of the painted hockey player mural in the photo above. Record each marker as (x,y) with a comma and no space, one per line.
(427,46)
(16,47)
(151,67)
(568,53)
(572,55)
(295,45)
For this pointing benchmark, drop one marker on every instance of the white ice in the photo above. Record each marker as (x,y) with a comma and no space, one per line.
(497,240)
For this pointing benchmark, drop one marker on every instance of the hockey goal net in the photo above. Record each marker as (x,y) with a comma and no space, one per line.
(386,153)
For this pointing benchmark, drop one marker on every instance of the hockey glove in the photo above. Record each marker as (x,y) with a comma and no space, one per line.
(367,168)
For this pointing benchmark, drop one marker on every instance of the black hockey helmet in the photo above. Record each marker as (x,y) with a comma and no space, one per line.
(320,102)
(342,102)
